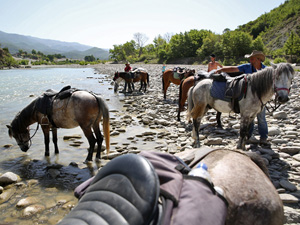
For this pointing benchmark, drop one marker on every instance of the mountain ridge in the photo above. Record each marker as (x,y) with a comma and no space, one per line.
(74,50)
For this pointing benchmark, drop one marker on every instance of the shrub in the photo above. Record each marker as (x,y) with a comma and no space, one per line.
(279,60)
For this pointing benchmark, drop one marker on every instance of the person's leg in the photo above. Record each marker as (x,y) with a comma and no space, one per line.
(262,125)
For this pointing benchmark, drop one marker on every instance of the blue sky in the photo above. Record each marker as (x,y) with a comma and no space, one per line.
(104,23)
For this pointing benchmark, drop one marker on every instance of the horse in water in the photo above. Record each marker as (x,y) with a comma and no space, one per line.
(168,77)
(131,77)
(65,110)
(258,89)
(184,87)
(245,182)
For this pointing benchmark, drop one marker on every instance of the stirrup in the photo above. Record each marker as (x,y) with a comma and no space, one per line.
(125,191)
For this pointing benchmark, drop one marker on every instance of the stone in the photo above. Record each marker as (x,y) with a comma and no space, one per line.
(8,178)
(32,210)
(288,198)
(290,149)
(288,185)
(26,202)
(280,115)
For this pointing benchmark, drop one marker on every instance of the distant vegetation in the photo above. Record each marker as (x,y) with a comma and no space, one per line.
(22,58)
(275,33)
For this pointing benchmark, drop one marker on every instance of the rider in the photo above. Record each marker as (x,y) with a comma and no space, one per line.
(127,69)
(256,58)
(213,65)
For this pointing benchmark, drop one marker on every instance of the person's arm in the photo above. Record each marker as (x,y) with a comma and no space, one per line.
(228,69)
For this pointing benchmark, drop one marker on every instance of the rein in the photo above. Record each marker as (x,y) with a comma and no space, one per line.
(29,140)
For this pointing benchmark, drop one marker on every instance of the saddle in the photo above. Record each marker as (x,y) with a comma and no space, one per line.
(44,103)
(235,88)
(178,73)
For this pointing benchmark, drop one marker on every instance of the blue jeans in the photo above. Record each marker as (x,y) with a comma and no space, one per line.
(261,124)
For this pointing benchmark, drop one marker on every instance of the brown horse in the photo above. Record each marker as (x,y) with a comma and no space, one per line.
(168,77)
(246,184)
(130,78)
(82,109)
(184,87)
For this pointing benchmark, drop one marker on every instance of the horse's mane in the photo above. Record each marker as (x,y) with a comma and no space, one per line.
(19,122)
(262,81)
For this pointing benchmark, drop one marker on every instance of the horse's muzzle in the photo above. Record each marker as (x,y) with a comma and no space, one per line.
(24,148)
(283,99)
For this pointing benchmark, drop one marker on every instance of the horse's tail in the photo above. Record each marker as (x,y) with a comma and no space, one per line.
(106,127)
(180,93)
(190,103)
(148,80)
(163,83)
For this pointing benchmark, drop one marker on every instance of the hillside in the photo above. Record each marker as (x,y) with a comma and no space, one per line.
(274,27)
(15,42)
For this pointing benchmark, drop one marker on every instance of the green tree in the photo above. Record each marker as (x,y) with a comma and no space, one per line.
(292,45)
(33,52)
(89,58)
(258,44)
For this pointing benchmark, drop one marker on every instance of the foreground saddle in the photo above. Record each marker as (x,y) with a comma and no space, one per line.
(125,191)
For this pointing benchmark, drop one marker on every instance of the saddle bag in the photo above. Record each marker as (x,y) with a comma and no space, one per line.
(181,199)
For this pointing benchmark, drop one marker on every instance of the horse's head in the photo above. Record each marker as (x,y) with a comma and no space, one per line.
(116,76)
(284,74)
(22,136)
(189,72)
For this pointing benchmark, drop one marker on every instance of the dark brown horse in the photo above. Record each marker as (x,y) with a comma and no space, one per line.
(184,87)
(82,109)
(245,181)
(168,77)
(130,78)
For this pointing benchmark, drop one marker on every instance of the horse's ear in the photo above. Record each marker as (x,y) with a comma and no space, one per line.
(274,65)
(9,130)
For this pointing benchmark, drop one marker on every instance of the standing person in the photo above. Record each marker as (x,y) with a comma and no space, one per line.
(256,59)
(213,64)
(163,68)
(127,68)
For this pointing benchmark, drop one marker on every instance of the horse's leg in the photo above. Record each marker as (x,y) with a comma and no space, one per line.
(141,82)
(132,86)
(54,139)
(244,131)
(99,139)
(124,90)
(166,86)
(196,124)
(91,139)
(219,123)
(46,131)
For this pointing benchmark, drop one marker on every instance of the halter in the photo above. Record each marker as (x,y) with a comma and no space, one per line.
(276,89)
(29,140)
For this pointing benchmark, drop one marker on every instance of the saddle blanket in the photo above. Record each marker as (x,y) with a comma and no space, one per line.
(218,91)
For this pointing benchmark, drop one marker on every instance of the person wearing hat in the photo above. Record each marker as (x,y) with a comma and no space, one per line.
(127,69)
(213,64)
(256,59)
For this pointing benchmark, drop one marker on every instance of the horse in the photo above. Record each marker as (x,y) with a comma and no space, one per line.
(168,77)
(81,108)
(260,87)
(130,78)
(246,185)
(184,87)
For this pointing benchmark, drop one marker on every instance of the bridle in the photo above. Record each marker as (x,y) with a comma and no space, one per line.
(30,138)
(276,89)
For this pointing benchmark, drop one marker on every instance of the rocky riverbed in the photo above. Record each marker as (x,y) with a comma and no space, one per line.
(147,122)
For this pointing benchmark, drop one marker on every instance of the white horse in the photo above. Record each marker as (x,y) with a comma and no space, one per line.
(261,86)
